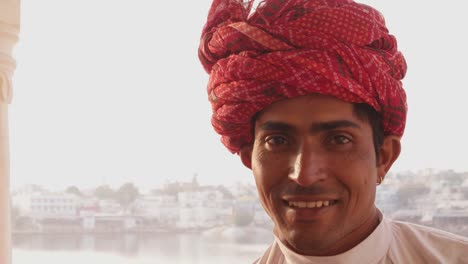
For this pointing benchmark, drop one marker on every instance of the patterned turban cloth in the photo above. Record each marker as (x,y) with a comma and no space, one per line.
(290,48)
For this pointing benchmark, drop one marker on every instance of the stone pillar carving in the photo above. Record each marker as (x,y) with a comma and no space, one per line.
(9,30)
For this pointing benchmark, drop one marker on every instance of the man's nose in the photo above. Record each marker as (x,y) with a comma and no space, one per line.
(308,167)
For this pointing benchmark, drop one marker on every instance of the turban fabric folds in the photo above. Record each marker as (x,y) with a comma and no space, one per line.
(290,48)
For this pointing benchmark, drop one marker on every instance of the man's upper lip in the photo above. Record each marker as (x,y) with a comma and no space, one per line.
(308,198)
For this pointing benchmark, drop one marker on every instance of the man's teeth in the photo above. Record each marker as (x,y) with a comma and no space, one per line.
(316,204)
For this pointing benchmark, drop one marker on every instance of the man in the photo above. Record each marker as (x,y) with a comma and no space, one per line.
(309,94)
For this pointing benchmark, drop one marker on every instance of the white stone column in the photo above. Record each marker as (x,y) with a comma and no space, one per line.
(9,30)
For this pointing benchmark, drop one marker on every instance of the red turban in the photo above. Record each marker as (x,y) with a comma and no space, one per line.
(290,48)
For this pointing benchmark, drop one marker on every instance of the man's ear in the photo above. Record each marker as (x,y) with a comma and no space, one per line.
(246,155)
(388,153)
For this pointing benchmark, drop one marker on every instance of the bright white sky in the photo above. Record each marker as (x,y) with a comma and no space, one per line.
(110,91)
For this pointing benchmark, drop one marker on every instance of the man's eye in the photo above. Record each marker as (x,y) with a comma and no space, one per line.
(340,140)
(276,140)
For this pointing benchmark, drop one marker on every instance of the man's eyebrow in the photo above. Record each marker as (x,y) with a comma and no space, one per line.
(331,125)
(314,128)
(276,126)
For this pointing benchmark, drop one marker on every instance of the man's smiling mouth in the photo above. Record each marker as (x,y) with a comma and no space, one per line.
(309,204)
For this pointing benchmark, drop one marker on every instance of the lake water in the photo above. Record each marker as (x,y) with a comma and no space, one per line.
(135,249)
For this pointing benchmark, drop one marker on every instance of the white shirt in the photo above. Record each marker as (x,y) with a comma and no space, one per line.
(390,242)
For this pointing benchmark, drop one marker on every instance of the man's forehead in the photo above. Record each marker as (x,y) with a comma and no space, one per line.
(310,108)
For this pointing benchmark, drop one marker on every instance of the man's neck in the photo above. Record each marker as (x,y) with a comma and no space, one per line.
(356,236)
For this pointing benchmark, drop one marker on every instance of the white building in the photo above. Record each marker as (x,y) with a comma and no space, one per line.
(386,198)
(109,206)
(203,209)
(46,205)
(162,210)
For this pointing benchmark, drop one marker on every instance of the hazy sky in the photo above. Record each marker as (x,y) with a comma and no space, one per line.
(112,91)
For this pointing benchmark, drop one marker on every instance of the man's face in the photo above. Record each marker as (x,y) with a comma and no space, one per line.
(315,168)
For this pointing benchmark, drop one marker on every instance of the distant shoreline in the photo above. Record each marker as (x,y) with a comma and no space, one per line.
(162,231)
